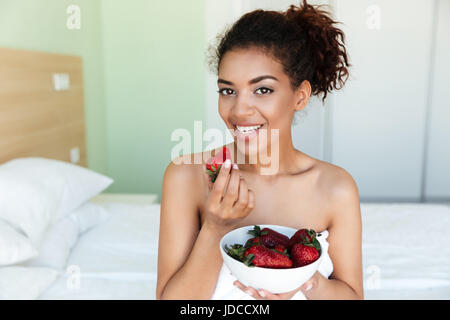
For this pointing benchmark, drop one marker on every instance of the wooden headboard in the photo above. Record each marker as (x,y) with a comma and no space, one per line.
(35,119)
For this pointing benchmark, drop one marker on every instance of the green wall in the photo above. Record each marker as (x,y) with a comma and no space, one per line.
(144,74)
(154,73)
(41,25)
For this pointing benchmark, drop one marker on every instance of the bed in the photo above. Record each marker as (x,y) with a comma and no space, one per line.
(118,259)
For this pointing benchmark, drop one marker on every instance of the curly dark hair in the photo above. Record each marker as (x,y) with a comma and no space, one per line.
(303,39)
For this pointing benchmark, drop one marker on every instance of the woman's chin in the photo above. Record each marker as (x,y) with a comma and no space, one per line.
(251,153)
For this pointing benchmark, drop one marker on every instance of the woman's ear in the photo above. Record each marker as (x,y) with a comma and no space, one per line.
(302,95)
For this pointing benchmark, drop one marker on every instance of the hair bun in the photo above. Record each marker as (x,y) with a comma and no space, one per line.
(326,44)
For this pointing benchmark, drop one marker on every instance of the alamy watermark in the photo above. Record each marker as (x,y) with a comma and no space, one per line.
(373,281)
(74,18)
(256,146)
(74,277)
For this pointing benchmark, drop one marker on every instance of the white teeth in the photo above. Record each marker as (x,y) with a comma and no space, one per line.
(248,129)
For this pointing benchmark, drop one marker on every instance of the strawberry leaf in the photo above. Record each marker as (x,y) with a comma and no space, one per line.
(256,232)
(248,260)
(316,244)
(236,251)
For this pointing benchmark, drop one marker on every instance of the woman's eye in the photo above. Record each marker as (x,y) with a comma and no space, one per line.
(264,90)
(226,91)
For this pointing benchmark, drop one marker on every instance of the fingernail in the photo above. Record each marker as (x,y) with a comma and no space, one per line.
(262,294)
(235,166)
(309,287)
(227,163)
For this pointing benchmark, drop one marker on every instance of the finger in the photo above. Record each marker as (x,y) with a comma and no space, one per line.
(221,181)
(248,290)
(238,284)
(251,201)
(254,293)
(242,200)
(307,286)
(232,192)
(268,295)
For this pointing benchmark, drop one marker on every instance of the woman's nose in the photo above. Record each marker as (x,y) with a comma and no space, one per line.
(242,108)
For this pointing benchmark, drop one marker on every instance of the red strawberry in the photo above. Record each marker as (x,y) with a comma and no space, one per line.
(304,236)
(280,248)
(303,255)
(214,164)
(270,238)
(263,257)
(281,238)
(252,241)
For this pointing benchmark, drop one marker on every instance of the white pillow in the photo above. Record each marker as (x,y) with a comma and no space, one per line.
(14,246)
(62,237)
(36,192)
(79,184)
(27,205)
(22,283)
(89,215)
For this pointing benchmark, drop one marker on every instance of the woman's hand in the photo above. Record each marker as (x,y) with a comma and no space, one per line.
(262,294)
(229,200)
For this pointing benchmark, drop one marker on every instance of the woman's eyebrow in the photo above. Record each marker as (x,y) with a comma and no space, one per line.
(255,80)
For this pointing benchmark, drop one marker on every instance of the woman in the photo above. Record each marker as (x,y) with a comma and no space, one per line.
(269,64)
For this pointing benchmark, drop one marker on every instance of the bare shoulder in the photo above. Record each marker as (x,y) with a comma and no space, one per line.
(336,182)
(339,190)
(187,170)
(180,169)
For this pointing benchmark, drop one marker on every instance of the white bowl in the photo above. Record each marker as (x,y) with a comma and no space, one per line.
(272,280)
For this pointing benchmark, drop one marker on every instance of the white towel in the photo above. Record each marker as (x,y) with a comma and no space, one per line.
(225,290)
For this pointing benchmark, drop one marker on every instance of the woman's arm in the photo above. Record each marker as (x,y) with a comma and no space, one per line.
(189,260)
(182,248)
(345,249)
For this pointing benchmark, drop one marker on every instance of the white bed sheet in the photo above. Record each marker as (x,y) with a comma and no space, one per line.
(116,260)
(406,254)
(406,251)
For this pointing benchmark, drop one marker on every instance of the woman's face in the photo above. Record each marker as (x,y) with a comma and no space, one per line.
(254,92)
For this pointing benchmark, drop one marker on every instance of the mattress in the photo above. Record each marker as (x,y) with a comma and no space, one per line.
(405,254)
(406,251)
(115,260)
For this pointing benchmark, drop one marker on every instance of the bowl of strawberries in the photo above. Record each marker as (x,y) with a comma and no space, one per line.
(275,258)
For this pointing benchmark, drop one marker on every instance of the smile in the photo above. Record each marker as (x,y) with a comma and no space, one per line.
(248,130)
(247,133)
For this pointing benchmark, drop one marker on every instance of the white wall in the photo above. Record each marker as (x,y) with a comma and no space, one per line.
(437,181)
(379,117)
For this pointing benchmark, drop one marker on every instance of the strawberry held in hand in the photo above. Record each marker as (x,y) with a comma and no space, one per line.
(214,164)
